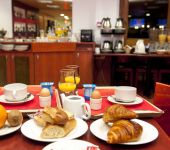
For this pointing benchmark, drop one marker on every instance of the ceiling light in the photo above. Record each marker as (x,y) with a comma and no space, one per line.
(61,15)
(66,17)
(148,14)
(129,16)
(53,6)
(45,1)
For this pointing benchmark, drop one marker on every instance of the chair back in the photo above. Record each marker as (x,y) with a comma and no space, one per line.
(162,100)
(161,94)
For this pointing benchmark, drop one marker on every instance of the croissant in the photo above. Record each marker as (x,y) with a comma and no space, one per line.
(123,131)
(117,112)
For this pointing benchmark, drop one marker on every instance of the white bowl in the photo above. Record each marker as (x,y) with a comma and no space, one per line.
(21,47)
(15,91)
(7,47)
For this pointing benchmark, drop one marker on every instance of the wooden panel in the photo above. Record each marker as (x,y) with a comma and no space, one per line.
(47,66)
(53,47)
(85,61)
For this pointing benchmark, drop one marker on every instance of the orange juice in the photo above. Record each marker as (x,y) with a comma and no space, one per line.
(168,38)
(67,87)
(162,38)
(70,79)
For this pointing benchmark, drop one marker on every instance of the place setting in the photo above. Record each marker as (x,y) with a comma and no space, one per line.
(15,94)
(125,95)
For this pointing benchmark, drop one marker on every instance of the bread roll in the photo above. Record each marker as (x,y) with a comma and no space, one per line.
(43,119)
(124,131)
(58,115)
(56,131)
(117,112)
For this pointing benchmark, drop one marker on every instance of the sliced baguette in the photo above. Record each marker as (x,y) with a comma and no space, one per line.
(56,131)
(58,115)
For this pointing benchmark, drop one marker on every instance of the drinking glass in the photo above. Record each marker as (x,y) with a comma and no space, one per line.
(162,36)
(76,69)
(67,81)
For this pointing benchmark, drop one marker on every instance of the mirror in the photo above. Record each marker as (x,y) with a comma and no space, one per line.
(51,13)
(145,14)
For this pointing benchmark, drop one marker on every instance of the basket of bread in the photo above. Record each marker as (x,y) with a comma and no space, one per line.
(56,122)
(121,128)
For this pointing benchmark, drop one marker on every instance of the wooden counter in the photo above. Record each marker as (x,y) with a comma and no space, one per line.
(42,62)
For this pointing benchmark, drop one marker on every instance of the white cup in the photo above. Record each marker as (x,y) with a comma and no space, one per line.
(96,104)
(76,105)
(125,93)
(45,101)
(15,91)
(97,50)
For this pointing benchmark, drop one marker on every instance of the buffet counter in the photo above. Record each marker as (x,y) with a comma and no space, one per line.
(34,62)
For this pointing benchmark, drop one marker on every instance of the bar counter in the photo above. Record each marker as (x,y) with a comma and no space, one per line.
(18,141)
(149,64)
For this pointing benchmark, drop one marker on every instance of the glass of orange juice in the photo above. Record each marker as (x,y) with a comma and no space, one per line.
(67,83)
(162,36)
(76,69)
(168,35)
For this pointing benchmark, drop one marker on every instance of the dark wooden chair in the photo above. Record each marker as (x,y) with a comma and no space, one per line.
(162,100)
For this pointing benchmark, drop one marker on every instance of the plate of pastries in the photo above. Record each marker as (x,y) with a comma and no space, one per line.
(53,124)
(120,125)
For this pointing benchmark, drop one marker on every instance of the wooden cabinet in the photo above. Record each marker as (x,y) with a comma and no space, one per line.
(85,61)
(43,62)
(16,67)
(47,65)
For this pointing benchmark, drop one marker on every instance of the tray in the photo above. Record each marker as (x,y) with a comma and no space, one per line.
(31,106)
(144,109)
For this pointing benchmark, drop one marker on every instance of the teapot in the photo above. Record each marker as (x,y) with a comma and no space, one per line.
(106,24)
(76,105)
(140,47)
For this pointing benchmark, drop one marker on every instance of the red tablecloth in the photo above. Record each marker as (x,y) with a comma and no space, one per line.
(145,105)
(30,105)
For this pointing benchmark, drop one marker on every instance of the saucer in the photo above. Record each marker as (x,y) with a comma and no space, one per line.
(137,100)
(3,100)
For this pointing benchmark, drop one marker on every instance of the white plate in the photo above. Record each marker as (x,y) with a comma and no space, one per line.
(69,145)
(31,130)
(7,129)
(113,100)
(3,100)
(149,134)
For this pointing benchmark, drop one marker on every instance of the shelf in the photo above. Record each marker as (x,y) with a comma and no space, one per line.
(113,31)
(25,20)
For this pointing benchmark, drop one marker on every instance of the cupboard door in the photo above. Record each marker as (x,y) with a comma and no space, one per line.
(3,70)
(22,68)
(85,60)
(47,66)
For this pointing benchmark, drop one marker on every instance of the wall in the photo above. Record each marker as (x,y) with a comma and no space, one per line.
(86,13)
(6,16)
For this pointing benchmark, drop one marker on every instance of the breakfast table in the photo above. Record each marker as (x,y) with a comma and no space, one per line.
(17,140)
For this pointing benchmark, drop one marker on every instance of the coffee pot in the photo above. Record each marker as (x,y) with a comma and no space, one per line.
(118,45)
(107,45)
(106,23)
(119,23)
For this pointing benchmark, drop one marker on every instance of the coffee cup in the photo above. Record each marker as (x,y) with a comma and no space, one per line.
(125,94)
(76,105)
(15,92)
